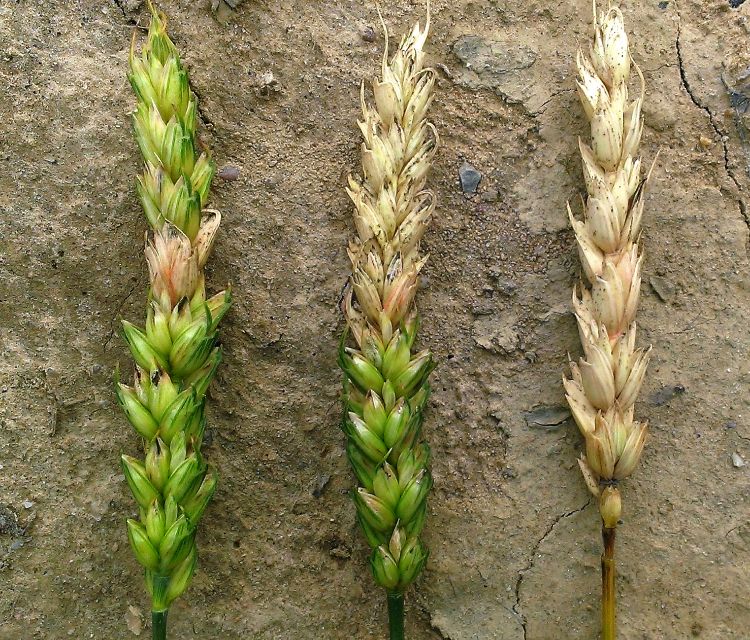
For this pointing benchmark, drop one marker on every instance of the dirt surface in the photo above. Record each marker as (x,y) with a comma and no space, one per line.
(513,534)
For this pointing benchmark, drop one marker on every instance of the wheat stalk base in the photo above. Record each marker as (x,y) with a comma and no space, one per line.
(608,584)
(396,616)
(159,625)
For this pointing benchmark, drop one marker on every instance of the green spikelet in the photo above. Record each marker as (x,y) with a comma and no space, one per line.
(176,353)
(385,380)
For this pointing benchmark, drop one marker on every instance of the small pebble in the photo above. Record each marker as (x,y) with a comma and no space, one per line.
(470,178)
(134,620)
(444,68)
(490,195)
(738,461)
(267,84)
(27,504)
(320,485)
(665,394)
(368,34)
(229,172)
(705,142)
(545,417)
(664,288)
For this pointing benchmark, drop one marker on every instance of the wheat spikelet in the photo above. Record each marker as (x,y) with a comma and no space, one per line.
(176,354)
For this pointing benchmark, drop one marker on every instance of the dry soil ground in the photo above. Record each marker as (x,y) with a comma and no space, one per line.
(514,536)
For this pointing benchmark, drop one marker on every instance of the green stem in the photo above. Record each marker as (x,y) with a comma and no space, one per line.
(159,624)
(608,584)
(396,615)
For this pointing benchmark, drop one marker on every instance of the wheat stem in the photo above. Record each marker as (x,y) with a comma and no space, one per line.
(396,616)
(608,583)
(159,625)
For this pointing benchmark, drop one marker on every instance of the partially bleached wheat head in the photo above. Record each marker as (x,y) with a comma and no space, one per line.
(385,381)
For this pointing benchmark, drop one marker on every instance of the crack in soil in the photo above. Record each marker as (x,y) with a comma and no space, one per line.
(542,107)
(208,123)
(530,564)
(712,120)
(685,83)
(746,217)
(120,5)
(438,631)
(111,334)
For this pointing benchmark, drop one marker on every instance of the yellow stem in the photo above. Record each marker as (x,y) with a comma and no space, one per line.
(608,584)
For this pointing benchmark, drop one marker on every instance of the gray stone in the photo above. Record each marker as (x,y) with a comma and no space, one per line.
(470,178)
(547,417)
